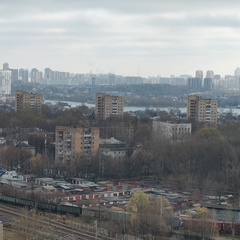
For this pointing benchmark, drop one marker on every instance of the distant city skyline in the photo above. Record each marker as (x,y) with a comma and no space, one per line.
(205,73)
(129,38)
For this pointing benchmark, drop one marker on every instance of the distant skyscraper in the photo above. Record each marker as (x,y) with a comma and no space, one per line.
(194,83)
(208,84)
(5,82)
(48,74)
(93,80)
(237,72)
(23,75)
(36,76)
(14,72)
(237,77)
(210,74)
(14,75)
(5,66)
(111,79)
(217,77)
(199,74)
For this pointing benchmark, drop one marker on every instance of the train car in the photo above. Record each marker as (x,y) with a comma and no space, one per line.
(41,205)
(46,206)
(7,199)
(69,210)
(24,202)
(105,214)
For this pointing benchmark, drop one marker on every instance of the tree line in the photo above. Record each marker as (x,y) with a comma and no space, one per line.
(207,157)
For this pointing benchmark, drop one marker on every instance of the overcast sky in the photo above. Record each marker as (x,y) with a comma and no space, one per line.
(127,37)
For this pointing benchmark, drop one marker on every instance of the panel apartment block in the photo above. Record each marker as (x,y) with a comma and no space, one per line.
(107,106)
(28,101)
(76,142)
(202,110)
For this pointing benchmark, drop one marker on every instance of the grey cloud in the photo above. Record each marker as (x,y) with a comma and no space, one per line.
(113,29)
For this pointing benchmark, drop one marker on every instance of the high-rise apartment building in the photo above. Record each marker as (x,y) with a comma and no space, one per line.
(107,106)
(237,78)
(208,84)
(5,82)
(5,66)
(48,74)
(194,83)
(14,75)
(210,74)
(73,143)
(36,76)
(23,75)
(202,110)
(199,74)
(28,101)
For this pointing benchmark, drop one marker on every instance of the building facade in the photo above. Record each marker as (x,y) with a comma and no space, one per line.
(202,110)
(107,106)
(172,131)
(76,142)
(28,101)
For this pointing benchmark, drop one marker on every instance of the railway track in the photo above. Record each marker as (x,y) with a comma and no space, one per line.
(55,229)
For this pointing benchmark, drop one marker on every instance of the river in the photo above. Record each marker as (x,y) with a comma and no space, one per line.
(235,111)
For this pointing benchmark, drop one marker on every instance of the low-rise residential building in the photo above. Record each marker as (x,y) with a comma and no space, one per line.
(170,130)
(113,148)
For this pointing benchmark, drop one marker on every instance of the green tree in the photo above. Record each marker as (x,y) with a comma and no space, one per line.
(138,202)
(149,215)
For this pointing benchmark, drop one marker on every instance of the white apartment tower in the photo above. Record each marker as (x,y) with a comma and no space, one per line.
(5,82)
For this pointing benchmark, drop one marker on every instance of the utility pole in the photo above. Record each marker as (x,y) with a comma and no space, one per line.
(1,231)
(96,229)
(45,153)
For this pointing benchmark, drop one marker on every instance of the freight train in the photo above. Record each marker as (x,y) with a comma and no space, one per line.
(64,209)
(182,222)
